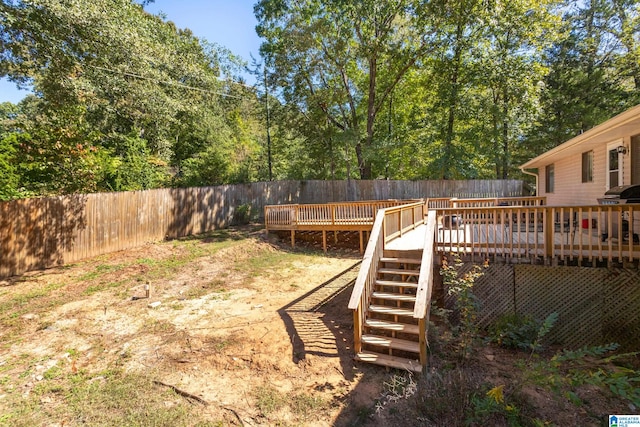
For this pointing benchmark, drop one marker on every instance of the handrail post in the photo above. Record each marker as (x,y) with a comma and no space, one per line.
(549,245)
(333,214)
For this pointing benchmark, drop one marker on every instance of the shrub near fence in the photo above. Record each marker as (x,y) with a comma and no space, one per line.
(44,232)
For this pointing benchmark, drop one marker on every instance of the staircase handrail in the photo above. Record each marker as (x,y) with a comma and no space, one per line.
(370,260)
(425,280)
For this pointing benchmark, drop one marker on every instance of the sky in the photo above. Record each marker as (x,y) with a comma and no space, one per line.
(230,23)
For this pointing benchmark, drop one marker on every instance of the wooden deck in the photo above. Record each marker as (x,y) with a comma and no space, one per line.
(347,216)
(514,228)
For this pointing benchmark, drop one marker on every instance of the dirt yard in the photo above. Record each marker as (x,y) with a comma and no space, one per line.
(238,329)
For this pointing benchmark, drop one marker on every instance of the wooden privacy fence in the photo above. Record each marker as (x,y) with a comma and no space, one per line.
(44,232)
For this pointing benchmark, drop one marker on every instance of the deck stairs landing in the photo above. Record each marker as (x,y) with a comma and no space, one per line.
(390,335)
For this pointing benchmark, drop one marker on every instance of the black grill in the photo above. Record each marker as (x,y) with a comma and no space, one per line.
(621,195)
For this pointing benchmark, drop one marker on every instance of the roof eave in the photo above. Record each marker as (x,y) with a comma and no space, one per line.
(617,121)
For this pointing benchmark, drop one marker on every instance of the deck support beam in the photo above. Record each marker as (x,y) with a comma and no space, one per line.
(422,340)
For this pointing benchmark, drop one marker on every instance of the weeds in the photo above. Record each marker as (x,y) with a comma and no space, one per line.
(399,387)
(521,332)
(108,398)
(461,286)
(269,400)
(588,366)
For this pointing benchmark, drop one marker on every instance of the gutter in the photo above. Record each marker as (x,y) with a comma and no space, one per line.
(532,174)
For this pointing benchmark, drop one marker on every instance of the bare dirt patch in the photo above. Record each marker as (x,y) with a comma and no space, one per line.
(247,332)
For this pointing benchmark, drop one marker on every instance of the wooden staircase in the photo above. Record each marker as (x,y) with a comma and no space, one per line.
(390,335)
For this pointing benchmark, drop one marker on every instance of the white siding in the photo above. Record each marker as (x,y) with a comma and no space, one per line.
(569,188)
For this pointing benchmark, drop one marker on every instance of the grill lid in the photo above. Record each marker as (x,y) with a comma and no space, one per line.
(623,192)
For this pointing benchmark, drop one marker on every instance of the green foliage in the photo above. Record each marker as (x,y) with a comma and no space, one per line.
(521,332)
(209,167)
(370,89)
(588,365)
(132,167)
(491,407)
(460,285)
(514,331)
(121,95)
(242,214)
(543,331)
(9,178)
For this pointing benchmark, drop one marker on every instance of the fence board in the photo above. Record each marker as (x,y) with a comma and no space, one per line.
(45,232)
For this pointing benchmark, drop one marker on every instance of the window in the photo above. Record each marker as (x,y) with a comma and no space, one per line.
(614,172)
(587,166)
(549,178)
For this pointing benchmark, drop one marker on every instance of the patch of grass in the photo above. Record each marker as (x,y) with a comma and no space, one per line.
(266,261)
(215,286)
(154,325)
(176,305)
(268,399)
(100,270)
(305,405)
(52,373)
(109,398)
(219,344)
(20,303)
(90,290)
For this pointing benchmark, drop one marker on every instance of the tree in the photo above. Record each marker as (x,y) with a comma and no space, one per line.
(518,31)
(592,71)
(342,60)
(150,94)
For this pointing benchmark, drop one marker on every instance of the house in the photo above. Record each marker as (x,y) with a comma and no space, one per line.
(581,170)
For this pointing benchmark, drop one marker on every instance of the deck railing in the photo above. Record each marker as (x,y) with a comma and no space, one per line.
(446,202)
(401,219)
(592,233)
(330,215)
(425,285)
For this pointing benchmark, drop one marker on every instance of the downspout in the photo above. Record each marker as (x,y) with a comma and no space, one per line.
(532,174)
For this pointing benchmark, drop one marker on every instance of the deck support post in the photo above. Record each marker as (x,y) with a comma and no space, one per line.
(335,237)
(293,238)
(357,329)
(422,327)
(324,241)
(361,241)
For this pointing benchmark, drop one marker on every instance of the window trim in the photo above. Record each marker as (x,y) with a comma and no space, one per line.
(587,166)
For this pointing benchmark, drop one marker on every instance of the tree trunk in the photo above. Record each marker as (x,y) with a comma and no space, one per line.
(505,133)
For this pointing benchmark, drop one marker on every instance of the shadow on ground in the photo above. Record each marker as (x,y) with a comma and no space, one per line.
(319,323)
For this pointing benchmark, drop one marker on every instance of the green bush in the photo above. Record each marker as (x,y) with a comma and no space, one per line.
(520,331)
(514,331)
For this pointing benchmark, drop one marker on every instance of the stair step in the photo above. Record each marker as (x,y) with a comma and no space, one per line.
(415,261)
(390,361)
(385,309)
(399,271)
(392,326)
(396,283)
(394,297)
(389,342)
